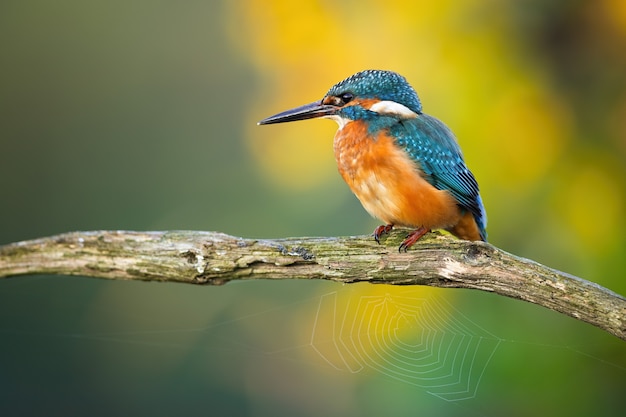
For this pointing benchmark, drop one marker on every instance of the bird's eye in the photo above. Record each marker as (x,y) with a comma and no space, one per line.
(347,97)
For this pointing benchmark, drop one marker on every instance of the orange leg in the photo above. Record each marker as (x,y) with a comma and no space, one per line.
(381,230)
(413,237)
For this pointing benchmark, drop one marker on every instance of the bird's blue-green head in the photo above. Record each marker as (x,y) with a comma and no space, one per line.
(378,85)
(364,95)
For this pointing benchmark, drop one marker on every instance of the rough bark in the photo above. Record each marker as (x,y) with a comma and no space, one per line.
(215,258)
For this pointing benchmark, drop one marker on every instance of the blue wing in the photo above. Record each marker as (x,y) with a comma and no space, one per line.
(435,148)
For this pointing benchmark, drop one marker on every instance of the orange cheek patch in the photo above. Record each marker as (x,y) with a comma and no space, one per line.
(366,103)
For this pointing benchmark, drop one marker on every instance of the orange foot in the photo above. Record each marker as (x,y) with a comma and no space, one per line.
(413,237)
(381,230)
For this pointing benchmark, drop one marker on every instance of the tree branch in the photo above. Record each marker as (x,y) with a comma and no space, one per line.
(215,258)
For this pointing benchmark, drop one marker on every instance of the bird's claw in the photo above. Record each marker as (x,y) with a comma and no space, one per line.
(382,230)
(413,237)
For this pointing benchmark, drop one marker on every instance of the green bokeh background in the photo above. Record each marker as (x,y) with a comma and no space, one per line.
(141,115)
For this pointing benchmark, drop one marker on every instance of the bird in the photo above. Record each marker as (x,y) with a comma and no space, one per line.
(405,167)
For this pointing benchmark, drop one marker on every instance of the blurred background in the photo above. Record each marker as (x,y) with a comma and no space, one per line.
(142,115)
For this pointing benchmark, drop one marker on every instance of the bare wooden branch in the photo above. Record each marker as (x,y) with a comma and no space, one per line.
(215,258)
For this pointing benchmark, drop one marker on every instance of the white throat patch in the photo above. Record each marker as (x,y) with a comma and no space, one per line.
(341,121)
(391,108)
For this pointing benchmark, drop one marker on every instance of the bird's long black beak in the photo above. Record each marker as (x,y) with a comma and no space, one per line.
(308,111)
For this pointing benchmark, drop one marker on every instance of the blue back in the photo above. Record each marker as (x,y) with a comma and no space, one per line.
(429,142)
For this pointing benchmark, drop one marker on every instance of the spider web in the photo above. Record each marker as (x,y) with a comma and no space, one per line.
(422,341)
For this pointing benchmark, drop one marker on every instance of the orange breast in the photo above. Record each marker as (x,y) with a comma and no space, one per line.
(389,183)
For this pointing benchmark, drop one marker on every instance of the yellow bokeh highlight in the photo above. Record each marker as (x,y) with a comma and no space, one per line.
(591,203)
(296,155)
(614,11)
(529,129)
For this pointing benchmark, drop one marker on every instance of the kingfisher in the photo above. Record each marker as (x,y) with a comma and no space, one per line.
(405,167)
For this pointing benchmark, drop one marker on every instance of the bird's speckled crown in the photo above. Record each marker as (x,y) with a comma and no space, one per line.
(382,85)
